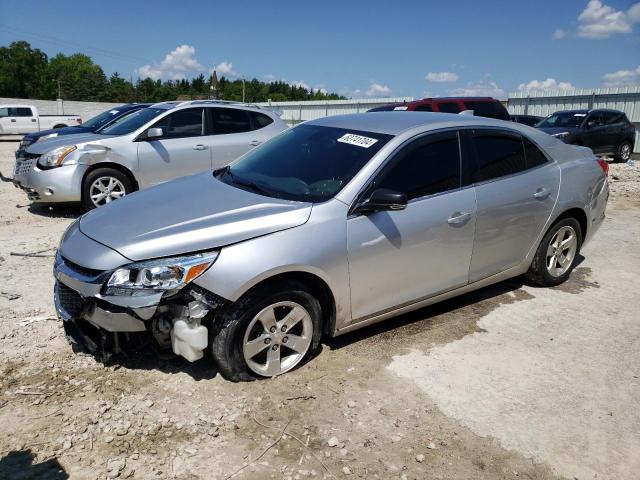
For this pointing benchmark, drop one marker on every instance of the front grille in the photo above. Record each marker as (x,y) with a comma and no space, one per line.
(70,300)
(85,272)
(24,166)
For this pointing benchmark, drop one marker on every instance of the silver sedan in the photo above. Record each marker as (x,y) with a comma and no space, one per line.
(331,226)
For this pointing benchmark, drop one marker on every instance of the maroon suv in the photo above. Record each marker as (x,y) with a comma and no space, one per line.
(481,106)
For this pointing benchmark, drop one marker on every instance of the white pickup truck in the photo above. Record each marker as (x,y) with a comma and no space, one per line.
(22,119)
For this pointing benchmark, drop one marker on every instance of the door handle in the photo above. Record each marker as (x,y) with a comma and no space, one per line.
(33,119)
(200,147)
(542,193)
(459,218)
(13,120)
(255,143)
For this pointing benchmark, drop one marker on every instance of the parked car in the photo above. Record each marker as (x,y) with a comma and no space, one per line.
(481,106)
(530,120)
(155,144)
(21,119)
(92,125)
(603,131)
(333,225)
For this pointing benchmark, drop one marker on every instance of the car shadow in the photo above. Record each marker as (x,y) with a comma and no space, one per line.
(55,211)
(19,465)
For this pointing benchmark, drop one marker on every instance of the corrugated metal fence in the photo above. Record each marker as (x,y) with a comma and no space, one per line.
(296,112)
(625,99)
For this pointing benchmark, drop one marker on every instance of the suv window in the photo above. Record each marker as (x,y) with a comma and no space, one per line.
(20,112)
(260,120)
(424,108)
(595,119)
(533,155)
(230,120)
(427,167)
(498,155)
(489,109)
(611,118)
(183,123)
(448,107)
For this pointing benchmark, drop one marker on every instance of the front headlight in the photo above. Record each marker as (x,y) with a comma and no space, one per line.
(158,276)
(55,157)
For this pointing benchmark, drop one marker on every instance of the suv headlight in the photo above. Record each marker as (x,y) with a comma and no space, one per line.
(158,276)
(55,157)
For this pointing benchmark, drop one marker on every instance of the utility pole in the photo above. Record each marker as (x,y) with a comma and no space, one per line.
(243,92)
(59,90)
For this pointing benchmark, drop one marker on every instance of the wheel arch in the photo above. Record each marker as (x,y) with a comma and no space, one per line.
(579,214)
(115,166)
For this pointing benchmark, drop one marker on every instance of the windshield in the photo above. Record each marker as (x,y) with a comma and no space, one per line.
(563,119)
(308,163)
(131,122)
(102,119)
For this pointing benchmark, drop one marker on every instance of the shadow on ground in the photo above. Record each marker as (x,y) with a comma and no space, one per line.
(19,465)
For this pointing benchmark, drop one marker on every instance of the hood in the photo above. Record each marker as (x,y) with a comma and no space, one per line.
(59,131)
(44,146)
(554,130)
(186,215)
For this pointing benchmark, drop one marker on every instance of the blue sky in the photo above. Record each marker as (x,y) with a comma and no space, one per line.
(357,48)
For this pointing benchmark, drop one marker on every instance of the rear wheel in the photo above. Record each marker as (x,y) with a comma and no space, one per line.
(623,153)
(104,185)
(557,253)
(268,332)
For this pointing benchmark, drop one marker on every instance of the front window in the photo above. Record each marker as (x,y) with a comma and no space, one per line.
(308,163)
(131,122)
(563,119)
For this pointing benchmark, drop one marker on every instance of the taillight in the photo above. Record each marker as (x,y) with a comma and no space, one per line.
(604,165)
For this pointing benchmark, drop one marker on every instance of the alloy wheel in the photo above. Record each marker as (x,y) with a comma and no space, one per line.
(277,338)
(625,152)
(106,189)
(561,251)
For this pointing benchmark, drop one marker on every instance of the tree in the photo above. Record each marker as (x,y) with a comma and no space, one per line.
(74,77)
(118,90)
(21,68)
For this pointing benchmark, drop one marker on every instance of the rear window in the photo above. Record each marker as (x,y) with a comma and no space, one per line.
(448,107)
(260,120)
(498,155)
(533,155)
(423,108)
(230,120)
(21,112)
(490,109)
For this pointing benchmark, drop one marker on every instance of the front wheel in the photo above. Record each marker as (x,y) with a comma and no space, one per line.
(104,185)
(623,153)
(557,253)
(268,332)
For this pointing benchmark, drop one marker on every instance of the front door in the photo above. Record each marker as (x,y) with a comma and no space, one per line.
(399,257)
(516,190)
(182,150)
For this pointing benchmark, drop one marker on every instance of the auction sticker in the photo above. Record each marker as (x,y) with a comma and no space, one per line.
(357,140)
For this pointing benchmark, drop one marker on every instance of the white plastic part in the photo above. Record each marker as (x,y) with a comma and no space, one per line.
(187,341)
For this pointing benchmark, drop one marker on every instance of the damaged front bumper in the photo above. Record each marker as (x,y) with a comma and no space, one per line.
(104,325)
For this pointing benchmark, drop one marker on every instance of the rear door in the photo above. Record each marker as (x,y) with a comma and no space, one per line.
(615,127)
(516,188)
(182,150)
(233,133)
(595,132)
(399,257)
(25,120)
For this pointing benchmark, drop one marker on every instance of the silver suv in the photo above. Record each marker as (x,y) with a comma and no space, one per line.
(331,226)
(150,146)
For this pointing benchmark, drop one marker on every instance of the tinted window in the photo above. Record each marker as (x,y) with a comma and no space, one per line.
(595,120)
(131,121)
(425,169)
(563,119)
(260,120)
(307,163)
(21,112)
(230,120)
(448,107)
(423,108)
(611,118)
(533,155)
(183,123)
(498,156)
(490,109)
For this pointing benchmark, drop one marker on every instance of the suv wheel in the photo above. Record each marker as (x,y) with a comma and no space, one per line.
(268,332)
(557,253)
(623,154)
(104,185)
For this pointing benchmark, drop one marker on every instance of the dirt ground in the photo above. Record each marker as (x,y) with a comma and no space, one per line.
(508,382)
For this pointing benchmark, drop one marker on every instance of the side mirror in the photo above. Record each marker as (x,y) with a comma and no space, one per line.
(382,199)
(154,133)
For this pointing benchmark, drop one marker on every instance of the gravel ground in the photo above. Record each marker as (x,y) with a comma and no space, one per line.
(361,409)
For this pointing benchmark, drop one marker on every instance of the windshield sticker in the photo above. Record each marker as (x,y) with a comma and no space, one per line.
(113,112)
(357,140)
(401,108)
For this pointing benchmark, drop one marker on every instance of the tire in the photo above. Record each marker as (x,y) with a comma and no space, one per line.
(119,183)
(547,271)
(238,326)
(623,152)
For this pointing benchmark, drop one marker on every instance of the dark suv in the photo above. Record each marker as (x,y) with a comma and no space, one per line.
(603,131)
(481,106)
